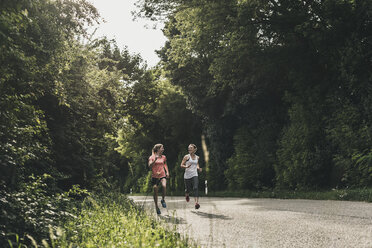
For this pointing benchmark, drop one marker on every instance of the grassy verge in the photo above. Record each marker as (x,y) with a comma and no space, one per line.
(335,194)
(112,221)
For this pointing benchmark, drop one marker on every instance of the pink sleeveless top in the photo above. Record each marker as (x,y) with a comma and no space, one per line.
(158,170)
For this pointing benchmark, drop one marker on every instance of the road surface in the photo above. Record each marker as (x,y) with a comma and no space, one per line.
(264,223)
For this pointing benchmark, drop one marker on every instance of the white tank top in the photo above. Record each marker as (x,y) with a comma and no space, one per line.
(192,170)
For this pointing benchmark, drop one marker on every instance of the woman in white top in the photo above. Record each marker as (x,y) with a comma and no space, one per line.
(190,163)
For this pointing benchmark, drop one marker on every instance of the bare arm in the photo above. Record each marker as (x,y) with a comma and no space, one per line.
(198,167)
(166,169)
(152,161)
(184,160)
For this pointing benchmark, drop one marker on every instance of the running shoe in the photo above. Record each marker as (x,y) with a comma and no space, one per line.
(158,211)
(197,206)
(187,198)
(163,203)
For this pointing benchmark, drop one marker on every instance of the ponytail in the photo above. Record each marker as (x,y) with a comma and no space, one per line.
(156,148)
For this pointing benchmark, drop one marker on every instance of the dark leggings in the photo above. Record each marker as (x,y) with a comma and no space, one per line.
(192,184)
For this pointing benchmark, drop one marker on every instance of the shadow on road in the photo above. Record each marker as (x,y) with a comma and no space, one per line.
(172,219)
(211,216)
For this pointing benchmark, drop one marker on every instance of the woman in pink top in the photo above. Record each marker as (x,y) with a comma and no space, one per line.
(158,164)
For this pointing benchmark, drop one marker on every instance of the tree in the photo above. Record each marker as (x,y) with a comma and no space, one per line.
(34,36)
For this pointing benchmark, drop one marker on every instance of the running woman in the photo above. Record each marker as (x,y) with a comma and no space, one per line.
(158,164)
(190,163)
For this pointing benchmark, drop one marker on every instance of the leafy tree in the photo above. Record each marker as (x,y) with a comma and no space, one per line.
(60,110)
(34,36)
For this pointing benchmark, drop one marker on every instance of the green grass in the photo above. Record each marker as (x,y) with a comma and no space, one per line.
(113,221)
(335,194)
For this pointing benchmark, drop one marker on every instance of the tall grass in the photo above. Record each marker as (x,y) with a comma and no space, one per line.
(112,220)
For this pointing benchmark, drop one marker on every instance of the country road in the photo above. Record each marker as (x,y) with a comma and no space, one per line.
(243,222)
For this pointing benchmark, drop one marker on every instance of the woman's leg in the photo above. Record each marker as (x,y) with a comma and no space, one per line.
(188,187)
(164,186)
(195,187)
(155,186)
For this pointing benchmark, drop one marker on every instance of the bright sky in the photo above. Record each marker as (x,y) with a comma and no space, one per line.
(120,26)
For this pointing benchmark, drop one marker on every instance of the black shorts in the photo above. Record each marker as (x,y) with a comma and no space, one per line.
(156,181)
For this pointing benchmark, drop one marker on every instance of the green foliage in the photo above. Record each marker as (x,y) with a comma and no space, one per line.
(112,220)
(156,113)
(34,54)
(302,154)
(363,162)
(357,194)
(258,78)
(33,209)
(81,117)
(26,141)
(77,192)
(251,166)
(351,138)
(236,59)
(105,220)
(61,106)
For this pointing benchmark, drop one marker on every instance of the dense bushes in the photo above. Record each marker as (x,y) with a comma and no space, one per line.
(34,209)
(250,167)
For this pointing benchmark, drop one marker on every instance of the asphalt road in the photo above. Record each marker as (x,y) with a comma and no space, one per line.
(242,222)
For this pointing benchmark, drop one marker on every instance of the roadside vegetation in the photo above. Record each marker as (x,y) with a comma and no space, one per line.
(111,220)
(106,219)
(334,194)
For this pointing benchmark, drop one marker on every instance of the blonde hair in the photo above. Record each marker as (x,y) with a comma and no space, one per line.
(156,148)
